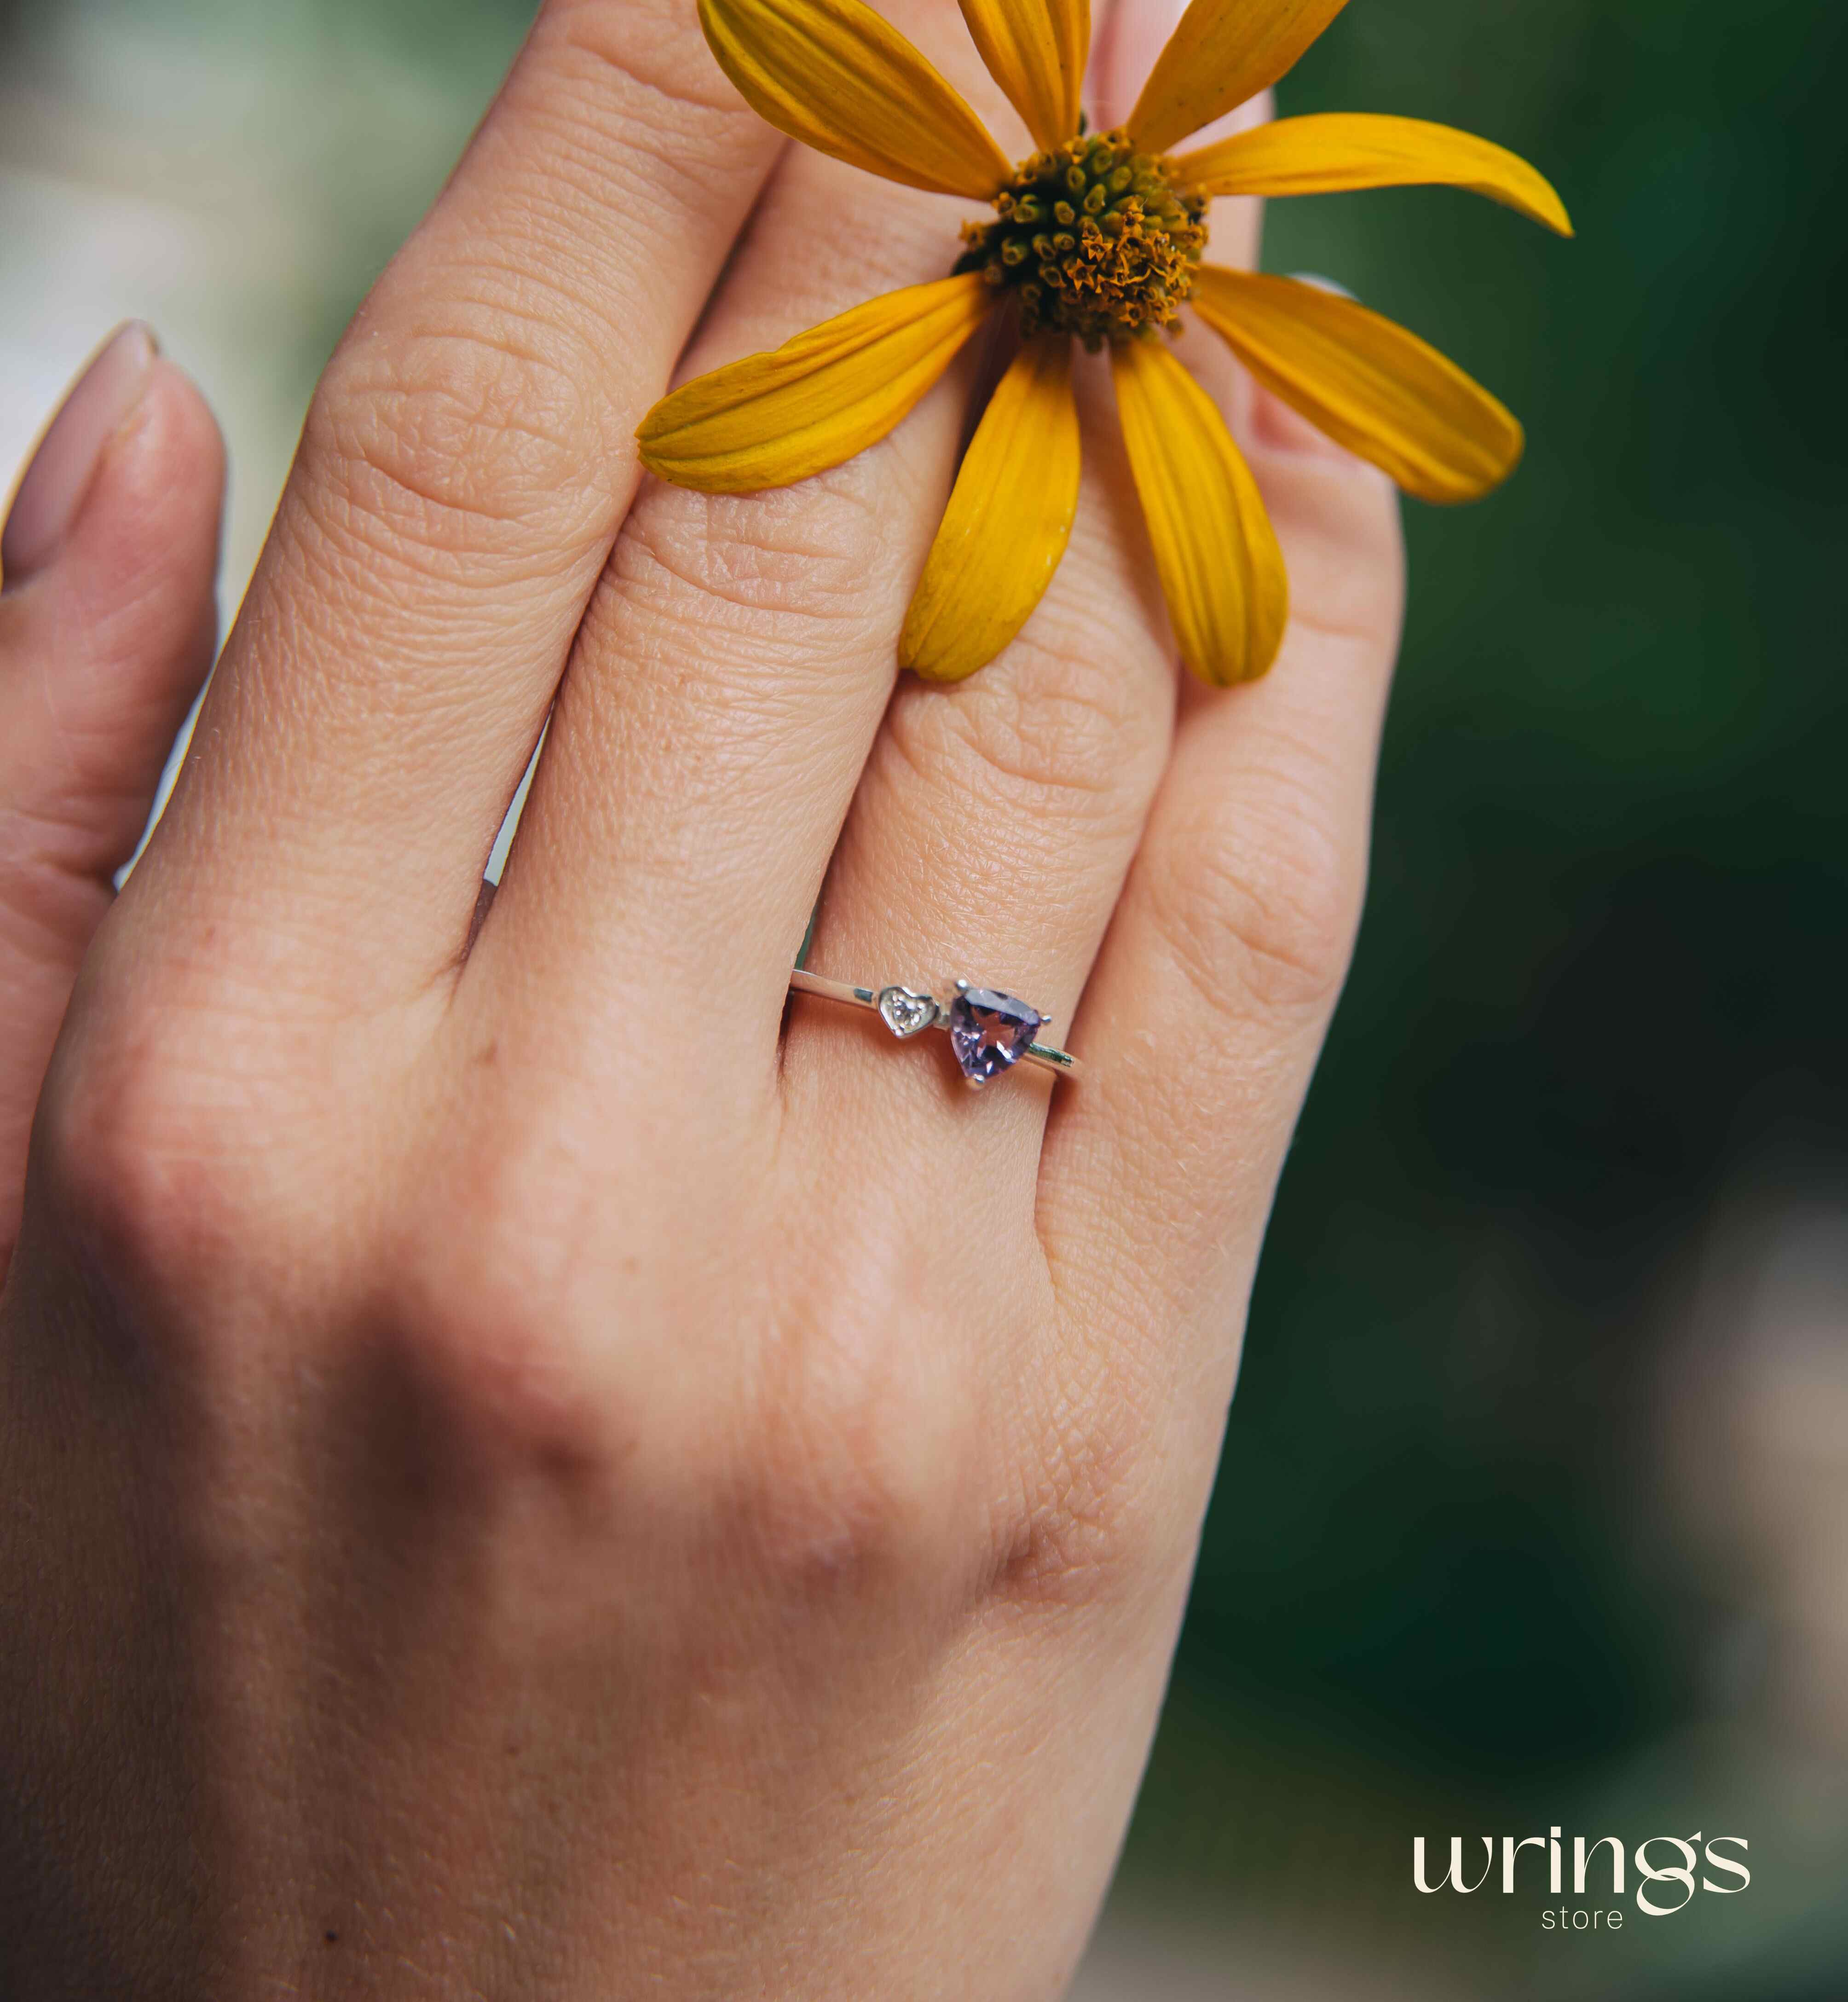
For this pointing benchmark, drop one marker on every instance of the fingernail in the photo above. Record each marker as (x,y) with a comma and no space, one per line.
(1322,284)
(61,470)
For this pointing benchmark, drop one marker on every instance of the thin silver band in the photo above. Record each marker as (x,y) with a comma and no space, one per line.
(801,981)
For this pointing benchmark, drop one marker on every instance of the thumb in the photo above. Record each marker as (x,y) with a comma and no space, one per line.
(107,629)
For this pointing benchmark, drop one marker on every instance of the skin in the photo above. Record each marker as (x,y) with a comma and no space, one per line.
(530,1470)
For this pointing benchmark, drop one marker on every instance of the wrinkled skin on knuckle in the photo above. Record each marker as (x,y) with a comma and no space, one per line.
(476,435)
(794,570)
(642,63)
(1062,730)
(1080,1524)
(1258,903)
(49,886)
(1064,1539)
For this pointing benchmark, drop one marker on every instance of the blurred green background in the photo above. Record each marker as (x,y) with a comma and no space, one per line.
(1535,1503)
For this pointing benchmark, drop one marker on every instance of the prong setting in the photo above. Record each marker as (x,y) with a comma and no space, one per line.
(989,1031)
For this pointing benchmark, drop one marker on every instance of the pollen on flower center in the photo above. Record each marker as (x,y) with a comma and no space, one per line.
(1094,239)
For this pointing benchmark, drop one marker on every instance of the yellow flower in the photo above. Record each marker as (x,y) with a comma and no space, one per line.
(1097,237)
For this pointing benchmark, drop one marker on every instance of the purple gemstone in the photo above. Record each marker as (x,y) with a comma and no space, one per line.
(989,1031)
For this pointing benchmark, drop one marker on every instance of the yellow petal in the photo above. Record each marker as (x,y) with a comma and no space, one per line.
(833,74)
(1008,521)
(1221,571)
(1036,49)
(1334,151)
(1371,386)
(772,419)
(1223,52)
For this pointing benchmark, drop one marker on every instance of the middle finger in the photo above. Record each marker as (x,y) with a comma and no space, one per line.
(736,660)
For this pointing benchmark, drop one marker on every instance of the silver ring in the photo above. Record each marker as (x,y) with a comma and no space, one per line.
(990,1032)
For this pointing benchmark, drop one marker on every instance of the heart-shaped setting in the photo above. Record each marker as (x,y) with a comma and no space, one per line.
(904,1013)
(990,1032)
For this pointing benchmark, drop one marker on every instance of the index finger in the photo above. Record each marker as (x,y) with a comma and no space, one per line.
(466,464)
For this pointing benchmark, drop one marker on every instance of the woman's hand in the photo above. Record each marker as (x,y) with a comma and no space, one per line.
(529,1472)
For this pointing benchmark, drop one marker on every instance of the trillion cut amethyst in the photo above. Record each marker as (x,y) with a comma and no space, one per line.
(989,1031)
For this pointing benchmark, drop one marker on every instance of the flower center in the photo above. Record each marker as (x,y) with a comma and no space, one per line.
(1095,239)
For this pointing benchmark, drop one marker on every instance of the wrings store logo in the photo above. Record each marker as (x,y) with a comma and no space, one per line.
(1662,1888)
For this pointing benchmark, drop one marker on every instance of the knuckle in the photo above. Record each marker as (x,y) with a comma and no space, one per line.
(146,1159)
(51,860)
(841,1498)
(804,1477)
(849,1468)
(651,57)
(1076,1529)
(478,1317)
(1068,727)
(1258,907)
(640,127)
(846,1490)
(1060,1541)
(787,571)
(455,439)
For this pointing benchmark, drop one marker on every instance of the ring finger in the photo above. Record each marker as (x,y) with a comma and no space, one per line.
(998,816)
